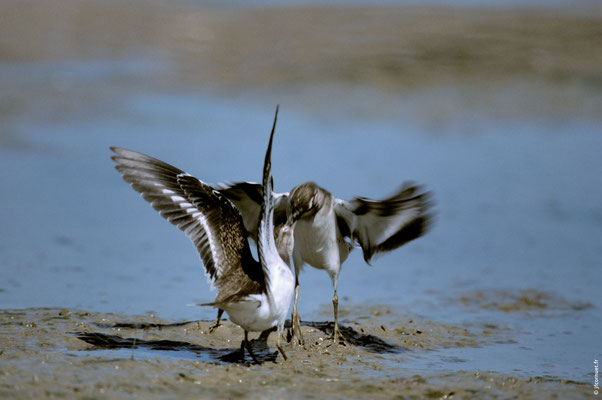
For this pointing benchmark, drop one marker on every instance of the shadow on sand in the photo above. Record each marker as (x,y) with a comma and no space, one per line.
(103,341)
(368,342)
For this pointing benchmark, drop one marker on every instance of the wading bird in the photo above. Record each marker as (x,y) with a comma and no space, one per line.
(255,294)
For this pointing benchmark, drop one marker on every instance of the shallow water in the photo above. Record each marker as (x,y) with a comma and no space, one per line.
(510,153)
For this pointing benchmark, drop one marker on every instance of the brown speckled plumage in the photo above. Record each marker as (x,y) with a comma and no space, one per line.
(230,263)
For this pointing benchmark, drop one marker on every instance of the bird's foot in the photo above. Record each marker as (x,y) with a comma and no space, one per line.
(297,335)
(247,344)
(213,327)
(337,337)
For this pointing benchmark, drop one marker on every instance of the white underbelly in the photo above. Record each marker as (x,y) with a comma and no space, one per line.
(316,244)
(252,316)
(258,313)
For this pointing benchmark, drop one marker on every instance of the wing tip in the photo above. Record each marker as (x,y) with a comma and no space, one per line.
(119,150)
(421,200)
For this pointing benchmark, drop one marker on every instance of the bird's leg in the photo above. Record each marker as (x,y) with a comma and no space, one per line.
(217,324)
(263,336)
(247,344)
(337,337)
(296,323)
(279,343)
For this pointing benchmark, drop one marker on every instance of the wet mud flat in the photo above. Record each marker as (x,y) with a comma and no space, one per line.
(548,59)
(60,353)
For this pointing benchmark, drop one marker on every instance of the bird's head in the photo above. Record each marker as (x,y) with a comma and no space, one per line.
(304,202)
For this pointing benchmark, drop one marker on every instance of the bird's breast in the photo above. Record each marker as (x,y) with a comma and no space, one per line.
(316,240)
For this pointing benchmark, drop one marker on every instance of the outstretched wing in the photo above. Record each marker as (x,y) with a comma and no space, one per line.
(203,214)
(247,197)
(385,225)
(266,245)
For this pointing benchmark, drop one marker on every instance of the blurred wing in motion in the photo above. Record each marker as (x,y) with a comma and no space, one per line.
(380,226)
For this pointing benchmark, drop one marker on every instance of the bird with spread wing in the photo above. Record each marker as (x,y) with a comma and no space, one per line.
(327,228)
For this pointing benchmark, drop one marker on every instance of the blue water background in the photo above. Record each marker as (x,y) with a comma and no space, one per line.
(518,200)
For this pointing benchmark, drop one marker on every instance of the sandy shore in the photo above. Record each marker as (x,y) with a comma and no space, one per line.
(102,67)
(54,353)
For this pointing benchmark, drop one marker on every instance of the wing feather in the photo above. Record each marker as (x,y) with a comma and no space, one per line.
(266,246)
(380,226)
(247,197)
(209,220)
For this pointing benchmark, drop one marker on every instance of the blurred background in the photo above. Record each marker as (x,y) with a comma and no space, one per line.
(494,106)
